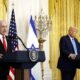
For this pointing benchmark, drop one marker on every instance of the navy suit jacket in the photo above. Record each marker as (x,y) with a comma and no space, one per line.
(4,67)
(66,47)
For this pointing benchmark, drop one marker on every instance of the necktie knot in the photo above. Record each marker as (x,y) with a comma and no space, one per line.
(3,37)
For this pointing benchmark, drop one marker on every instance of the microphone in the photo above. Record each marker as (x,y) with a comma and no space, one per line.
(17,37)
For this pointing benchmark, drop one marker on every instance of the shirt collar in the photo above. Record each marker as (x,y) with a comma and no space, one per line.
(71,38)
(0,37)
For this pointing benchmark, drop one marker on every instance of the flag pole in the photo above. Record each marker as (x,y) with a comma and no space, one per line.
(12,5)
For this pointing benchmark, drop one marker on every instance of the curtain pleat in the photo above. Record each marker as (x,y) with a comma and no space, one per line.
(64,13)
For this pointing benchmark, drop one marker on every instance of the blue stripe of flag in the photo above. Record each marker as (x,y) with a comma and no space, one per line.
(33,26)
(32,77)
(34,30)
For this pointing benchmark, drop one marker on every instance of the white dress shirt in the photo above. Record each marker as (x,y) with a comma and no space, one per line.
(1,38)
(74,45)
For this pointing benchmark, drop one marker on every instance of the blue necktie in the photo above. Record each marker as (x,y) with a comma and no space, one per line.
(74,46)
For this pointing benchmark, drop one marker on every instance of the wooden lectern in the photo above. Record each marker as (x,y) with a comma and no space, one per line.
(21,61)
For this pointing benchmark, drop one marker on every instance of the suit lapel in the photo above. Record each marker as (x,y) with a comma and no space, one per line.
(1,43)
(70,43)
(1,46)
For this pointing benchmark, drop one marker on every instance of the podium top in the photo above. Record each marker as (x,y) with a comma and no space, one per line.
(20,59)
(22,56)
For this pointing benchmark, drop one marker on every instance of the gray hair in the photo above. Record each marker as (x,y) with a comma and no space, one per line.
(3,23)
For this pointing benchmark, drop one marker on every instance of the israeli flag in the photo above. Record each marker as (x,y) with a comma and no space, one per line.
(32,41)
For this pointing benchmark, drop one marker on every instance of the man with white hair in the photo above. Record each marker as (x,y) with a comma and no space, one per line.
(4,48)
(69,49)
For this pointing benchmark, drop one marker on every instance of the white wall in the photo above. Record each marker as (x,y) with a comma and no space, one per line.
(23,10)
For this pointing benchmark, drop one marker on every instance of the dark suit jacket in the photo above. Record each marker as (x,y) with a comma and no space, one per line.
(64,63)
(4,67)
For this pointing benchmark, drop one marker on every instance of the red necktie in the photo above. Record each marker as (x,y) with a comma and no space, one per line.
(4,43)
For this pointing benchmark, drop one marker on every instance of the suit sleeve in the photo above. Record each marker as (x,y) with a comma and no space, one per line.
(63,47)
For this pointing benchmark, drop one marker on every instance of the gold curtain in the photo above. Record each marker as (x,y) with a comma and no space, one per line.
(64,13)
(3,9)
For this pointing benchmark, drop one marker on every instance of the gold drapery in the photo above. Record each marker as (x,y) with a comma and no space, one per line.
(3,9)
(64,13)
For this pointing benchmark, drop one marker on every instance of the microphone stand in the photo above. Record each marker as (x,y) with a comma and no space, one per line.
(22,42)
(17,37)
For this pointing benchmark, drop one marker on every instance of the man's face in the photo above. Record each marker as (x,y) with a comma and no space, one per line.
(73,32)
(3,30)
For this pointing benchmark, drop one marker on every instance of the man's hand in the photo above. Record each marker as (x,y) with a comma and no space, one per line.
(1,55)
(72,56)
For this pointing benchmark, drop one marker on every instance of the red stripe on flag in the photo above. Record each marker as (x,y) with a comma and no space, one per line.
(12,69)
(9,77)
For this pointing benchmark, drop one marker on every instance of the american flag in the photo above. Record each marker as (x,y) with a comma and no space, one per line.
(14,42)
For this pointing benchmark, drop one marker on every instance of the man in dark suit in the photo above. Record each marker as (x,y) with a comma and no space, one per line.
(4,48)
(69,48)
